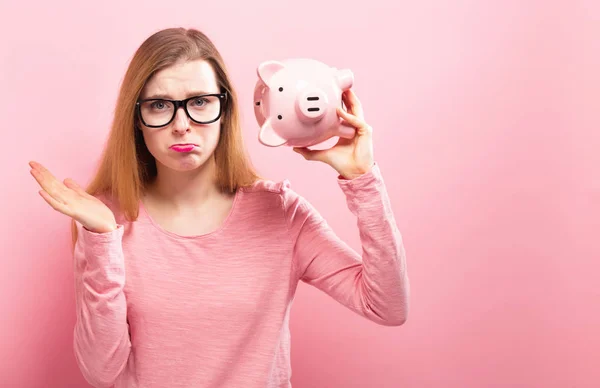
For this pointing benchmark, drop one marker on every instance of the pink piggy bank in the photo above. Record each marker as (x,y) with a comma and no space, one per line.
(295,102)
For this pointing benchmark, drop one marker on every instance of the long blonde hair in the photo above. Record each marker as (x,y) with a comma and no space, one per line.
(126,166)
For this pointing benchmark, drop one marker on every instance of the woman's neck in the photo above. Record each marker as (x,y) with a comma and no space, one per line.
(185,190)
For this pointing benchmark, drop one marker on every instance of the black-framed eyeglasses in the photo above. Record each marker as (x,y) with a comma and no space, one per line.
(201,109)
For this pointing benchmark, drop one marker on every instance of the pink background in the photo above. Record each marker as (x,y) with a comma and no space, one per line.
(486,119)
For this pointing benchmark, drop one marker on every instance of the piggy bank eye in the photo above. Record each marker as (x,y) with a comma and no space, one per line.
(280,89)
(279,117)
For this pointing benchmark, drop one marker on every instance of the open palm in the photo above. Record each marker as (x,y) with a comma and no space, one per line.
(70,199)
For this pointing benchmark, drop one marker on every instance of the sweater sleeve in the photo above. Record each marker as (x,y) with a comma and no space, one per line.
(101,335)
(375,284)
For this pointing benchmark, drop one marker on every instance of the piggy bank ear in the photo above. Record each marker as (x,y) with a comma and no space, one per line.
(267,69)
(345,79)
(268,136)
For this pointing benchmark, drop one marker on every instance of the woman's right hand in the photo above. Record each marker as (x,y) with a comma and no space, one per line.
(70,199)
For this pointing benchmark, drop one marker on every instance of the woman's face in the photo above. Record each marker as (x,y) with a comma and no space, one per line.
(182,145)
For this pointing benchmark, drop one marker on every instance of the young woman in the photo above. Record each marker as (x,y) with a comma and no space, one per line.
(186,261)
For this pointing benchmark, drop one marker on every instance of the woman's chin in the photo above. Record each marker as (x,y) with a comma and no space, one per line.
(186,163)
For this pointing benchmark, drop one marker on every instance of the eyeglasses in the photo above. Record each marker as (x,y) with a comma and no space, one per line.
(202,109)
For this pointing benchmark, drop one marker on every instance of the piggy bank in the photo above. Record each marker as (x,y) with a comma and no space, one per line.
(295,102)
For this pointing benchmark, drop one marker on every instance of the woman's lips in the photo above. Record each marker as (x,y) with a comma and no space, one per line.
(183,147)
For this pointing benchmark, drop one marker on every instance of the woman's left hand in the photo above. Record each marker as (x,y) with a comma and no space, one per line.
(351,158)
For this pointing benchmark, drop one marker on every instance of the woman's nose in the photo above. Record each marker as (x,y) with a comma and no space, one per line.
(181,123)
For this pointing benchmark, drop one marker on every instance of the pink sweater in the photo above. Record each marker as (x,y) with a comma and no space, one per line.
(155,309)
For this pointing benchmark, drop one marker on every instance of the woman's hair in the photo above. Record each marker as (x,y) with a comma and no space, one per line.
(126,165)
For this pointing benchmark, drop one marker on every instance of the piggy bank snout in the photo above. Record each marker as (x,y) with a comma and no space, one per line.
(311,105)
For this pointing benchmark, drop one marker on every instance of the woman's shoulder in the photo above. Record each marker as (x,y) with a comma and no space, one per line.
(271,192)
(276,200)
(267,186)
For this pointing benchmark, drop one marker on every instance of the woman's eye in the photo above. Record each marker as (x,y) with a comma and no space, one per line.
(158,105)
(200,101)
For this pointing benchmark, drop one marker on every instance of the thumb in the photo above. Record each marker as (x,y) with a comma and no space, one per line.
(70,183)
(308,154)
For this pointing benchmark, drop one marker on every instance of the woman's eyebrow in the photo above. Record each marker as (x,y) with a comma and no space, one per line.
(168,97)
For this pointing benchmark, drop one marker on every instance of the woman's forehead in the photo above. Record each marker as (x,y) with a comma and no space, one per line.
(182,80)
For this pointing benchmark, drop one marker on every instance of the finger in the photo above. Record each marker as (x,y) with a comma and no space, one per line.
(346,103)
(347,124)
(39,167)
(35,165)
(40,178)
(353,101)
(350,118)
(56,205)
(313,155)
(49,184)
(71,184)
(344,141)
(41,173)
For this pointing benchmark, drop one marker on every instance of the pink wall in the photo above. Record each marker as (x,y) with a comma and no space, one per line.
(487,131)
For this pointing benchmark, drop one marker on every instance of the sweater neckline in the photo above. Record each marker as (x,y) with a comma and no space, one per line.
(220,229)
